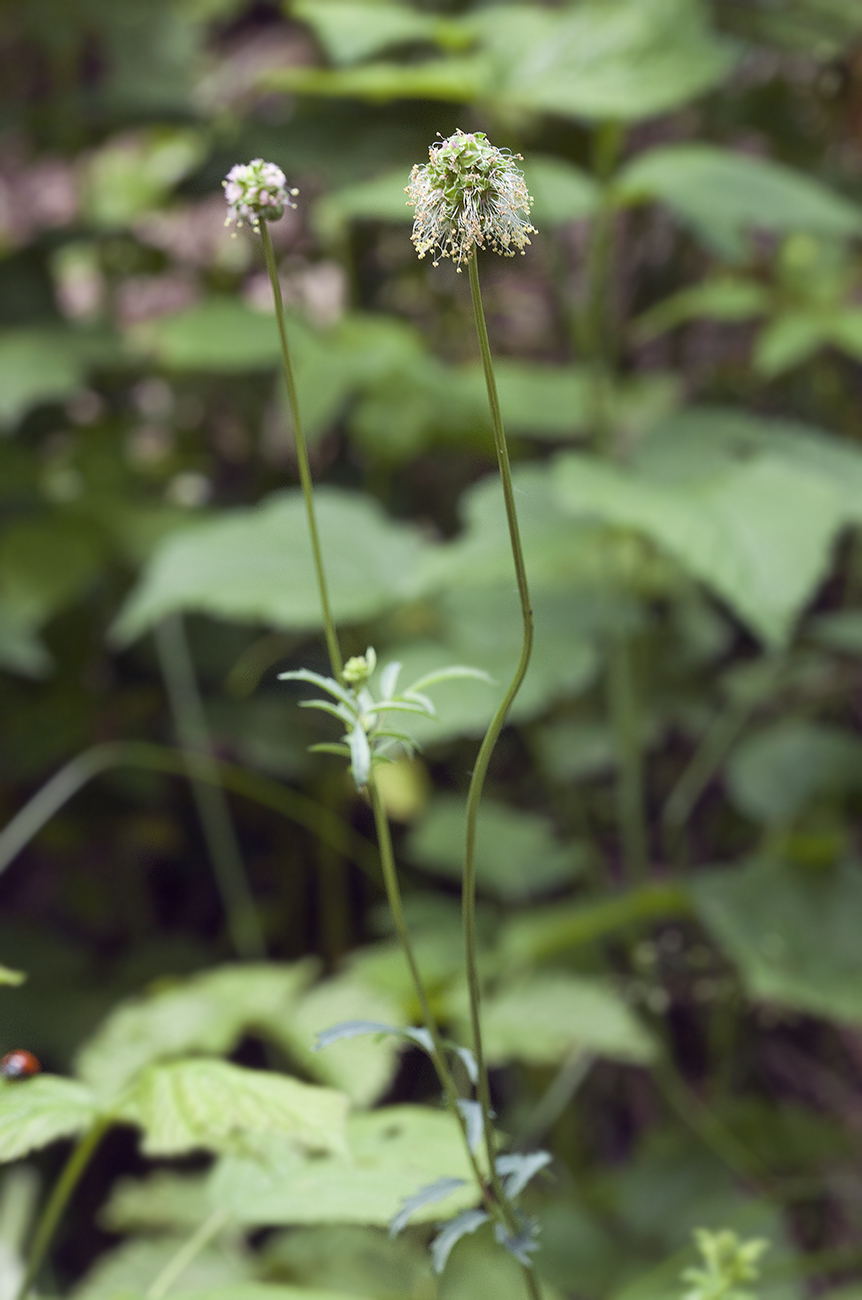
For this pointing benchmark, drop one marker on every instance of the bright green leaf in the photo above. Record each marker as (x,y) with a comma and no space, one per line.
(39,1110)
(212,1105)
(36,366)
(255,566)
(792,932)
(393,1152)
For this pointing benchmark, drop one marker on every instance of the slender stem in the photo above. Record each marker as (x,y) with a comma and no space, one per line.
(625,714)
(79,771)
(477,781)
(302,459)
(216,822)
(396,906)
(187,1252)
(57,1202)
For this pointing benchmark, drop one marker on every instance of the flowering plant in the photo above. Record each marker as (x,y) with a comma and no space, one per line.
(255,192)
(470,194)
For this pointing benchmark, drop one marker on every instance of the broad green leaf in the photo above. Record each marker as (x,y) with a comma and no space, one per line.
(260,1291)
(393,1152)
(220,334)
(517,853)
(379,199)
(618,59)
(352,31)
(560,190)
(545,1018)
(210,1105)
(795,336)
(723,195)
(36,366)
(132,173)
(12,977)
(255,566)
(758,532)
(777,772)
(163,1202)
(207,1013)
(363,1261)
(37,1111)
(131,1268)
(459,80)
(792,932)
(723,299)
(362,1068)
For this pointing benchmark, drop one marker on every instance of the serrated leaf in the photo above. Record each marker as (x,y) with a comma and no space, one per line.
(758,532)
(518,1170)
(792,932)
(255,566)
(362,1070)
(393,1151)
(545,1017)
(521,1244)
(725,194)
(206,1013)
(430,1195)
(216,1106)
(35,1112)
(455,1229)
(471,1113)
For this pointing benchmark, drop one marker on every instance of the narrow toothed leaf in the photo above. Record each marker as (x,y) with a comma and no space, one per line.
(418,698)
(460,1226)
(471,1112)
(405,706)
(330,747)
(389,679)
(469,1061)
(352,1029)
(360,756)
(325,683)
(339,711)
(521,1244)
(447,675)
(518,1169)
(422,1038)
(437,1191)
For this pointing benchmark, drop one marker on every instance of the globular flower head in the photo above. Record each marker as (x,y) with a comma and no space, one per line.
(358,669)
(255,192)
(470,195)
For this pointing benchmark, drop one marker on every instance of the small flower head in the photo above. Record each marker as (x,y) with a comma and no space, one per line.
(358,669)
(469,195)
(255,192)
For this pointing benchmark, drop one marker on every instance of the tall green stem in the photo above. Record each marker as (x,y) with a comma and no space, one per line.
(216,822)
(474,795)
(302,458)
(57,1202)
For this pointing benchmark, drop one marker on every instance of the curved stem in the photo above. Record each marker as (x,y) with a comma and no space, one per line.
(477,781)
(186,1254)
(192,730)
(302,458)
(57,1202)
(396,906)
(79,771)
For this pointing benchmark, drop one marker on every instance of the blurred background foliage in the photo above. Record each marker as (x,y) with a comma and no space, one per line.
(670,855)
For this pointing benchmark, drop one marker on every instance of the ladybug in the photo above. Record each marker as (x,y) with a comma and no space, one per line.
(19,1064)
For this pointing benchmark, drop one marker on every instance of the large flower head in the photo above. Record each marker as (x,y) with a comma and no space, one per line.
(470,195)
(255,192)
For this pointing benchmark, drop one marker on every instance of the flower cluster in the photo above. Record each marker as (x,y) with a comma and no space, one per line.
(255,192)
(469,195)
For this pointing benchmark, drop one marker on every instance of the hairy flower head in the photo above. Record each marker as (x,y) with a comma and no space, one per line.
(470,195)
(255,192)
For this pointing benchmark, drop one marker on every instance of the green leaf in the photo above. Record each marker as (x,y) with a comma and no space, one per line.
(207,1013)
(212,1105)
(37,1111)
(363,1261)
(220,334)
(361,1068)
(758,532)
(352,31)
(13,977)
(722,299)
(778,771)
(544,1018)
(458,80)
(129,1269)
(37,366)
(621,59)
(46,563)
(129,175)
(561,191)
(260,1291)
(723,195)
(379,199)
(163,1202)
(255,566)
(517,853)
(393,1151)
(793,933)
